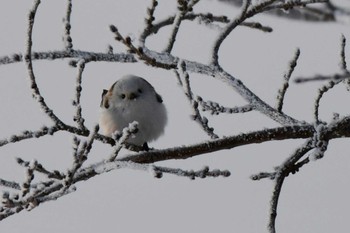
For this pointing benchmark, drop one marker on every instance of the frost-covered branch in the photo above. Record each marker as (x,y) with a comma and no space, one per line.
(320,94)
(29,134)
(216,108)
(126,134)
(282,91)
(338,128)
(227,30)
(333,77)
(255,101)
(184,81)
(203,173)
(337,77)
(63,54)
(38,193)
(207,19)
(28,61)
(140,51)
(343,64)
(281,173)
(184,6)
(76,102)
(80,155)
(67,38)
(325,12)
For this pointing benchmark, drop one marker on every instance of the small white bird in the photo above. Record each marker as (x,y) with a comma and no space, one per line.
(129,99)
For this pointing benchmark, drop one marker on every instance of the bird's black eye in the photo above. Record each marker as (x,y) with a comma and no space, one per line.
(139,90)
(122,96)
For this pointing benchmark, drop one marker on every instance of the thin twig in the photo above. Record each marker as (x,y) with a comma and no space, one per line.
(254,100)
(28,61)
(227,30)
(127,132)
(40,168)
(30,168)
(203,121)
(150,15)
(10,184)
(67,38)
(183,8)
(202,173)
(343,64)
(206,18)
(80,156)
(281,174)
(333,78)
(216,108)
(140,52)
(29,134)
(320,94)
(78,116)
(282,91)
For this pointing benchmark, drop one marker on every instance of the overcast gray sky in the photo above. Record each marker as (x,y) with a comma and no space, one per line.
(314,200)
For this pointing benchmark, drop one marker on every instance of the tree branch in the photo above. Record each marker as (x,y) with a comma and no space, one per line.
(282,91)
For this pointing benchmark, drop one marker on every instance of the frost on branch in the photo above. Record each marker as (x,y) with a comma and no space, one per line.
(41,184)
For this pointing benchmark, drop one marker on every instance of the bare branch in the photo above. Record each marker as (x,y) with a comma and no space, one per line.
(183,8)
(140,52)
(216,108)
(227,30)
(150,15)
(9,184)
(343,65)
(78,117)
(320,94)
(80,156)
(281,173)
(206,18)
(126,134)
(30,168)
(29,134)
(203,121)
(255,101)
(323,13)
(184,152)
(203,173)
(61,54)
(332,78)
(28,60)
(67,38)
(282,91)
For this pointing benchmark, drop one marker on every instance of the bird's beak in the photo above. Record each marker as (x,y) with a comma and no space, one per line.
(132,96)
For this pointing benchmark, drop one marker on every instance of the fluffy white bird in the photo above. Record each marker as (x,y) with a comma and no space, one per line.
(129,99)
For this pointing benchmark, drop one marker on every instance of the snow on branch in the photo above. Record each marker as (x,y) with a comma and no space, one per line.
(216,108)
(336,77)
(76,102)
(203,173)
(184,81)
(281,173)
(282,91)
(183,8)
(67,39)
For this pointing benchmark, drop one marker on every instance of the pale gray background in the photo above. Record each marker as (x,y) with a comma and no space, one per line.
(314,200)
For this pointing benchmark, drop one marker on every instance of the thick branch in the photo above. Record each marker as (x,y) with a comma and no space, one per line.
(184,152)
